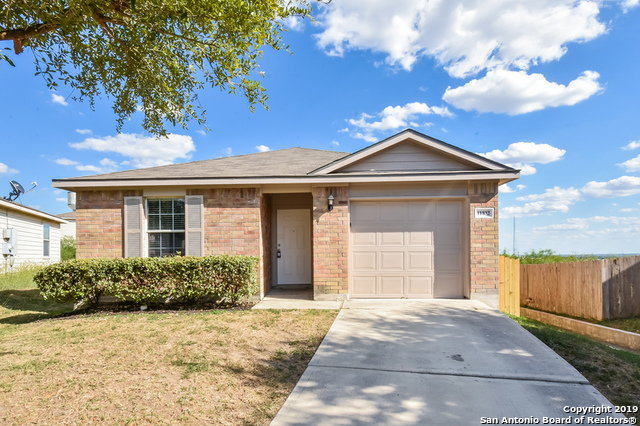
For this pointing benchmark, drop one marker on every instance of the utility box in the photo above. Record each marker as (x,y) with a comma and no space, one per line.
(10,242)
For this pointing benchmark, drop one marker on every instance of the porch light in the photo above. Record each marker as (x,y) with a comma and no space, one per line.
(330,200)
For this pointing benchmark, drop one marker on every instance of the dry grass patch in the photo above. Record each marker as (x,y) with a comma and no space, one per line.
(217,367)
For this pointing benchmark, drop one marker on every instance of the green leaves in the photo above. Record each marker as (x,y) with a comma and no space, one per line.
(149,280)
(151,56)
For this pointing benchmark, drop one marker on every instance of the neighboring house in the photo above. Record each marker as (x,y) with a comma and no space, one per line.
(407,217)
(68,229)
(37,234)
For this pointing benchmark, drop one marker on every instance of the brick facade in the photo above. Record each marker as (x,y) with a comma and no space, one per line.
(330,244)
(99,223)
(483,237)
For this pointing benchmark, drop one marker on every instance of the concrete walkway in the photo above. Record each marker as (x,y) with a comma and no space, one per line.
(294,297)
(451,362)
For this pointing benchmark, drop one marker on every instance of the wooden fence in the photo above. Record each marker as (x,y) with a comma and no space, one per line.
(598,289)
(510,285)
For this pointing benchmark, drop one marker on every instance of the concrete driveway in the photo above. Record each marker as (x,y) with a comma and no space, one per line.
(440,362)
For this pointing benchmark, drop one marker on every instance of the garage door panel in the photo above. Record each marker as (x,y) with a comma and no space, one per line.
(448,260)
(391,261)
(420,261)
(364,238)
(364,261)
(393,212)
(447,286)
(448,236)
(391,238)
(391,286)
(365,212)
(418,238)
(407,249)
(364,286)
(449,211)
(420,286)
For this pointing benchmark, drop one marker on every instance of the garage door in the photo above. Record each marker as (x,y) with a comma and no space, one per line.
(412,249)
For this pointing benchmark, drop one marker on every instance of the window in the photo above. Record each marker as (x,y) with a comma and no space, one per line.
(165,227)
(46,239)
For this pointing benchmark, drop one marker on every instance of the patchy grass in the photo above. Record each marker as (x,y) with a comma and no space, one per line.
(627,324)
(218,367)
(615,373)
(228,367)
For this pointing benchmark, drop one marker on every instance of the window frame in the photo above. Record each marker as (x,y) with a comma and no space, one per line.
(46,240)
(148,231)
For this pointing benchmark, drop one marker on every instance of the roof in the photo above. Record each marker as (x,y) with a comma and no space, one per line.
(299,166)
(284,162)
(67,216)
(12,205)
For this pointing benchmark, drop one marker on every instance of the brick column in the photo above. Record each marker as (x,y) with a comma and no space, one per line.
(484,251)
(330,244)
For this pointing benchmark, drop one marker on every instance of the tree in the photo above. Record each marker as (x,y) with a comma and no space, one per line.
(67,248)
(151,56)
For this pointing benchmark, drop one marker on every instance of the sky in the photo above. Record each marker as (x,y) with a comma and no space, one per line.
(551,87)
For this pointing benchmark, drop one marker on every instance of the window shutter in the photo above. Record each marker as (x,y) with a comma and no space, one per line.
(133,213)
(194,225)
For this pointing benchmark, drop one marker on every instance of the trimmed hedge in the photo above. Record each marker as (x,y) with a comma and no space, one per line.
(148,280)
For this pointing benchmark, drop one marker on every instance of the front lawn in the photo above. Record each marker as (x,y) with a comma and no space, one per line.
(200,367)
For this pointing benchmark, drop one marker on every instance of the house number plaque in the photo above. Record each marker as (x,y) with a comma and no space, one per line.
(484,212)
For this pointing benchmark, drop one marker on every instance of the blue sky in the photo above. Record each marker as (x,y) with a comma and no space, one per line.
(551,87)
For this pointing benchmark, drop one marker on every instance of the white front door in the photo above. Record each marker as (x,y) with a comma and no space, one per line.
(294,246)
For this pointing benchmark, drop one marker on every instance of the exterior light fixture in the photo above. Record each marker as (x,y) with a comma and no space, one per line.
(330,200)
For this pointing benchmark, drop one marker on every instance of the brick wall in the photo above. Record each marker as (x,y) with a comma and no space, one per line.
(330,244)
(99,223)
(484,253)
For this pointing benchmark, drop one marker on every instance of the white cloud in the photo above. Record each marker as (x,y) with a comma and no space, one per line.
(294,23)
(521,187)
(4,169)
(553,200)
(516,92)
(84,131)
(201,132)
(631,145)
(628,210)
(57,99)
(632,165)
(66,162)
(90,168)
(561,227)
(345,130)
(144,151)
(227,151)
(108,163)
(623,186)
(262,148)
(629,4)
(335,144)
(506,189)
(464,36)
(62,200)
(521,155)
(393,118)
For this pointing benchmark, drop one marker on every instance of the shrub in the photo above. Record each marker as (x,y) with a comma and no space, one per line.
(548,256)
(68,248)
(148,280)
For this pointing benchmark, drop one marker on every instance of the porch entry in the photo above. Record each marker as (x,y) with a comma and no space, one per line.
(293,246)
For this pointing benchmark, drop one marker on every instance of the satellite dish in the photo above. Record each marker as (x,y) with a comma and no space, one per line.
(17,190)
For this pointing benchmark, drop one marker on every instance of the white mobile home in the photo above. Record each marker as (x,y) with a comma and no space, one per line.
(28,235)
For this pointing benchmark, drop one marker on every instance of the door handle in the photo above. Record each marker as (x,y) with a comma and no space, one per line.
(278,254)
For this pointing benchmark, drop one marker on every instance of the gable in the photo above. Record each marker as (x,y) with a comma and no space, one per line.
(407,157)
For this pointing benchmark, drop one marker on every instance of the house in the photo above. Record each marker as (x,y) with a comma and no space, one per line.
(407,217)
(29,235)
(68,229)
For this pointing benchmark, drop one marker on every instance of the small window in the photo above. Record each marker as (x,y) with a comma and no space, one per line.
(46,240)
(165,227)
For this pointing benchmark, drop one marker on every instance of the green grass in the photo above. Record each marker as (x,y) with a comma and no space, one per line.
(627,324)
(615,373)
(18,277)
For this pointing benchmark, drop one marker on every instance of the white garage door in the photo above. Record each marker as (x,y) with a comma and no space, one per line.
(412,249)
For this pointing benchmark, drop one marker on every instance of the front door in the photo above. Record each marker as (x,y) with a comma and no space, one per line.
(294,246)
